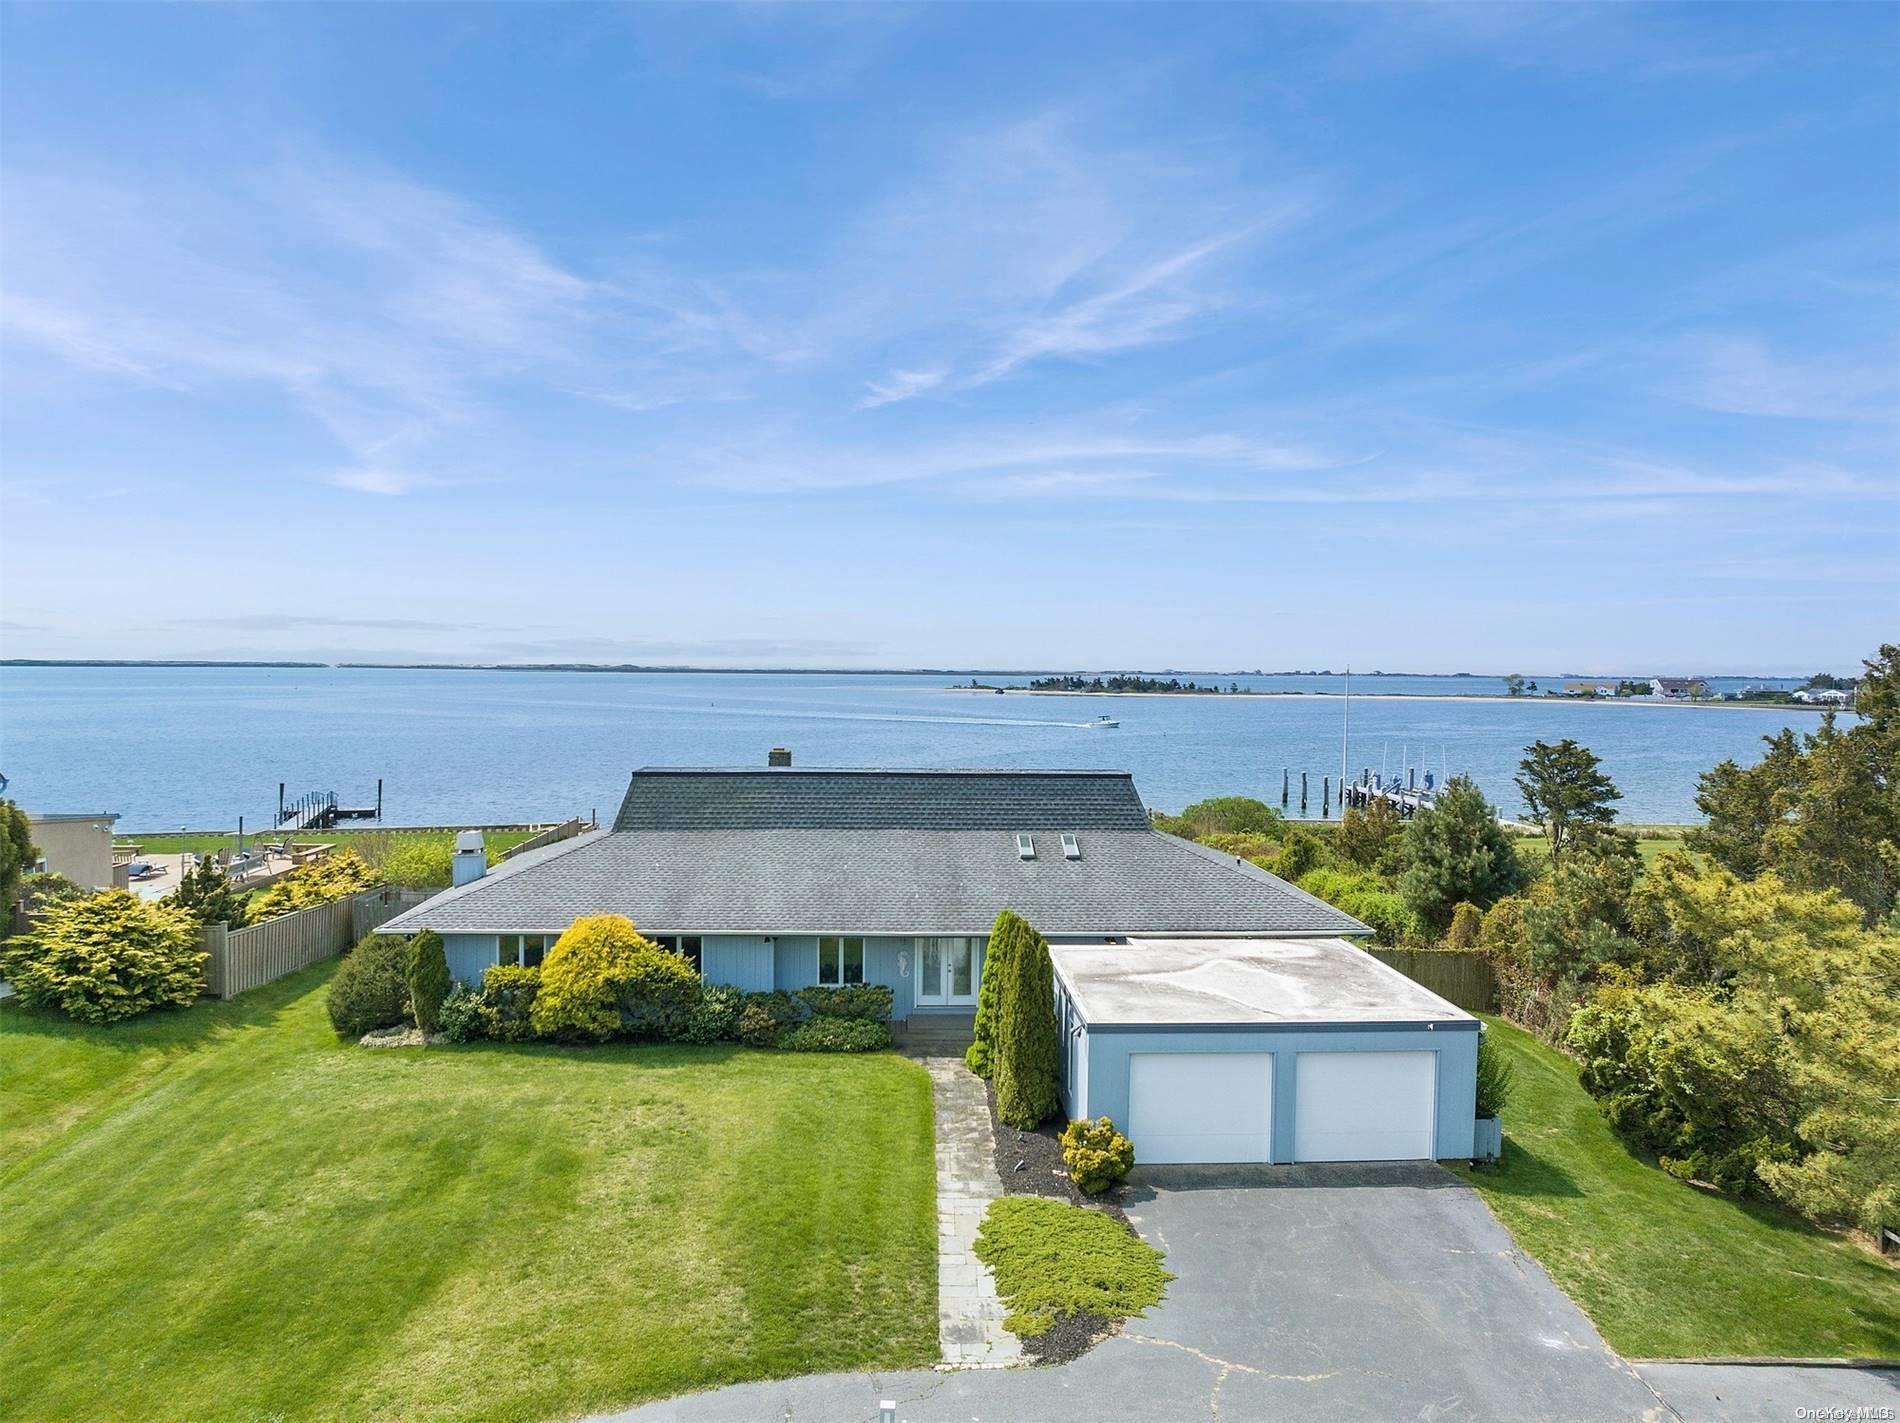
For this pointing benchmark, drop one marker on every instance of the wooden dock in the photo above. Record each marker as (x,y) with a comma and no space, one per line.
(319,810)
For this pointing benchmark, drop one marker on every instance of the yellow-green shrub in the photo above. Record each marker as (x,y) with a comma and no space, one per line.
(335,876)
(583,976)
(107,957)
(508,994)
(1096,1154)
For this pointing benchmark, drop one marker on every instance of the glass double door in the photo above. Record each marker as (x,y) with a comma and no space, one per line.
(947,971)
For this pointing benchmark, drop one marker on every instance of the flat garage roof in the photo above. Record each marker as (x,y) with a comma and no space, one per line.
(1241,983)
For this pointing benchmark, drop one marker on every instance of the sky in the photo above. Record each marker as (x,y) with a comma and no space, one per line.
(1426,338)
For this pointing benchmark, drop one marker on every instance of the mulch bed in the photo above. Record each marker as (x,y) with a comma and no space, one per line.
(1030,1164)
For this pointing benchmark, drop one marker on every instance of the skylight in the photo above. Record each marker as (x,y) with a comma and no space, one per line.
(1071,847)
(1025,845)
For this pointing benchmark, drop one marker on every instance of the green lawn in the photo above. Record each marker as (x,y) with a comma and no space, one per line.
(1652,842)
(495,841)
(225,1211)
(1666,1270)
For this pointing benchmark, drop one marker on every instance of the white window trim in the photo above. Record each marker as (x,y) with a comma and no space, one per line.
(840,940)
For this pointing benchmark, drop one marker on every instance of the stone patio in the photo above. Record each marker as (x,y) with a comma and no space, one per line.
(970,1329)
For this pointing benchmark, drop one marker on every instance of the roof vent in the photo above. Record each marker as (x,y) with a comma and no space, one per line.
(1025,845)
(778,756)
(1071,847)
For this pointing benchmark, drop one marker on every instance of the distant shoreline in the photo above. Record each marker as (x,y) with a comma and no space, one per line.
(1536,700)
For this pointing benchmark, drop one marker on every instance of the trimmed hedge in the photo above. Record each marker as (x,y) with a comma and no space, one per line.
(461,1018)
(835,1035)
(371,989)
(108,957)
(869,1002)
(508,994)
(764,1016)
(715,1017)
(656,994)
(582,977)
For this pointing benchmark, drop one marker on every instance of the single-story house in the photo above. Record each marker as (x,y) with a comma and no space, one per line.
(783,878)
(1678,689)
(76,846)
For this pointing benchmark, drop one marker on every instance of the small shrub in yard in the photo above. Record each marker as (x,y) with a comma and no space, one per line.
(1496,1078)
(656,993)
(336,876)
(107,957)
(835,1035)
(207,894)
(429,980)
(507,1002)
(715,1018)
(765,1016)
(371,989)
(976,1057)
(868,1001)
(1052,1260)
(463,1016)
(582,978)
(1096,1154)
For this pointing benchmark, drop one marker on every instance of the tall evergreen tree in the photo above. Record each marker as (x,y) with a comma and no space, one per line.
(1455,851)
(1564,790)
(205,892)
(16,855)
(1028,1052)
(1005,935)
(429,981)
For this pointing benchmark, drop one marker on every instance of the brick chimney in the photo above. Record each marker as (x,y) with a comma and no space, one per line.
(778,756)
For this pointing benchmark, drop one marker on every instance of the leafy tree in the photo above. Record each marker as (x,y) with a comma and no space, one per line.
(427,974)
(1363,835)
(1005,935)
(1225,815)
(1564,790)
(1740,805)
(1028,1052)
(1366,897)
(205,892)
(16,853)
(107,957)
(1455,850)
(1467,922)
(1300,854)
(1514,685)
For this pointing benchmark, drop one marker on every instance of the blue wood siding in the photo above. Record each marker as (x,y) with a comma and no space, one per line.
(742,960)
(470,956)
(1101,1084)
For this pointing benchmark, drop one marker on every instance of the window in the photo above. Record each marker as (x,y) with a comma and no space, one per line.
(1071,847)
(840,962)
(1025,845)
(524,950)
(686,945)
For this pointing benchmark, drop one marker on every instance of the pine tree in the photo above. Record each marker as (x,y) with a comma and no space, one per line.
(1565,792)
(1028,1050)
(205,892)
(1005,935)
(1455,850)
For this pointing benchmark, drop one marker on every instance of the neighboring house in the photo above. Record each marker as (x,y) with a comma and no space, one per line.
(1678,688)
(1823,696)
(1589,689)
(76,846)
(1238,1004)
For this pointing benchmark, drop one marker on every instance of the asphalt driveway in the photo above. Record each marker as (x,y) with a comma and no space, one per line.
(1384,1292)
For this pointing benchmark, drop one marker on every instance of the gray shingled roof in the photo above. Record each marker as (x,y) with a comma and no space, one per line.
(882,881)
(788,798)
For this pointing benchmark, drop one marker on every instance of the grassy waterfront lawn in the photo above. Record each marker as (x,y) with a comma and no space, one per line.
(1666,1270)
(224,1211)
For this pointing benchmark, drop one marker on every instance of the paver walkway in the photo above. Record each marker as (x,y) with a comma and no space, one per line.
(969,1315)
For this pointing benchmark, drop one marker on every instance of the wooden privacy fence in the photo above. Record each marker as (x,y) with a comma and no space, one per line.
(566,830)
(247,958)
(1461,975)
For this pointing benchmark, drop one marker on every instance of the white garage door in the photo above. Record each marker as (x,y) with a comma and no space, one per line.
(1365,1106)
(1201,1106)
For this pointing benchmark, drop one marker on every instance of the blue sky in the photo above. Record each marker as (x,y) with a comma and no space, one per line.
(1473,337)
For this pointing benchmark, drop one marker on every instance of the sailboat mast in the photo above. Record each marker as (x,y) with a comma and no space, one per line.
(1345,736)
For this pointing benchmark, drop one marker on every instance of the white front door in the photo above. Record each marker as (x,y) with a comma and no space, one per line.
(1365,1106)
(1200,1106)
(946,971)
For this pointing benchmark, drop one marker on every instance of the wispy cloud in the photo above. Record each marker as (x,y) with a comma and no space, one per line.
(898,386)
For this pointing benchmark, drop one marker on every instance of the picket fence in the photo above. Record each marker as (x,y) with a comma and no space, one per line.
(242,959)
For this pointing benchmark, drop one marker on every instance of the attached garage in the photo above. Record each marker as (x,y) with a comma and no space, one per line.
(1264,1050)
